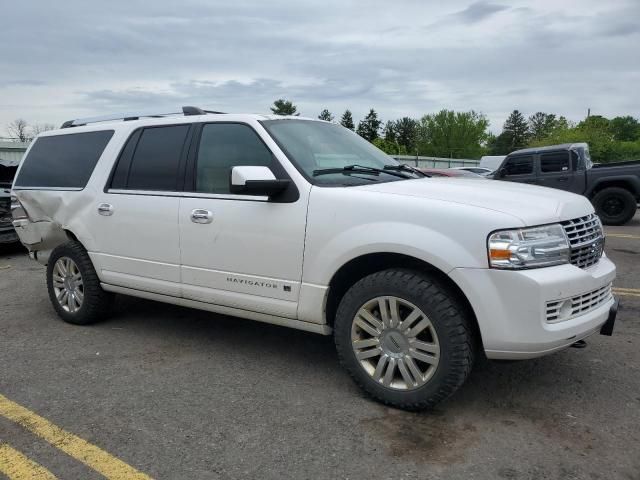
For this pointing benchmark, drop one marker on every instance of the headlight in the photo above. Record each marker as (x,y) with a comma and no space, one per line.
(528,247)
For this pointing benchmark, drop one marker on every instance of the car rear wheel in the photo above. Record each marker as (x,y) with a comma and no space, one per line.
(405,338)
(615,205)
(74,287)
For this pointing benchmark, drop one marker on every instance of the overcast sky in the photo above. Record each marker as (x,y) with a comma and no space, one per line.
(60,60)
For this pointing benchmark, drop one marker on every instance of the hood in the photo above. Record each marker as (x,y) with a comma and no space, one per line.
(531,204)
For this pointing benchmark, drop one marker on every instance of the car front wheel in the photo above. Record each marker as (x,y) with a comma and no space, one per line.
(405,338)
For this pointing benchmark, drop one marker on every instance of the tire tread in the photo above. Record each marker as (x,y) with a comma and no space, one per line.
(97,303)
(452,319)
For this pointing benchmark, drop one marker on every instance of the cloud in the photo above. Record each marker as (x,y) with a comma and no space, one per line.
(479,11)
(401,58)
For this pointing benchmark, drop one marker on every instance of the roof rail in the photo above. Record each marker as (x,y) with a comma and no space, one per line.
(186,110)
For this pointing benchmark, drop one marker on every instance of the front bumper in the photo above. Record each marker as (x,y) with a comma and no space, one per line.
(510,306)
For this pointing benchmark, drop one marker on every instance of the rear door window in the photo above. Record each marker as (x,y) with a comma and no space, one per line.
(519,166)
(151,159)
(63,161)
(554,162)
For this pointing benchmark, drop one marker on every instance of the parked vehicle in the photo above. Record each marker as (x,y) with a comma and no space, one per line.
(7,172)
(304,224)
(614,189)
(449,172)
(477,170)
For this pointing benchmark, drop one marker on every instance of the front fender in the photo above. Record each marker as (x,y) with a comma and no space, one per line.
(441,251)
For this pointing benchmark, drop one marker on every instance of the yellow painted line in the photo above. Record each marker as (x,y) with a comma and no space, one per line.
(626,292)
(624,289)
(622,235)
(92,456)
(17,466)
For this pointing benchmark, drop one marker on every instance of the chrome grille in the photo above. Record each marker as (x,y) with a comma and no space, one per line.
(586,239)
(566,309)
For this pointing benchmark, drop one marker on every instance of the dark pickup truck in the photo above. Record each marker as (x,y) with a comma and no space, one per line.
(614,189)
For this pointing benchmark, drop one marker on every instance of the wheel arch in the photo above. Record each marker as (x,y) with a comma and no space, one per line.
(630,183)
(363,265)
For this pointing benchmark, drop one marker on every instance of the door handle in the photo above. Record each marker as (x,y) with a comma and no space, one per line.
(200,215)
(105,209)
(563,179)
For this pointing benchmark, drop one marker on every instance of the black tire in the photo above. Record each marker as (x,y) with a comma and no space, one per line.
(615,205)
(96,304)
(448,317)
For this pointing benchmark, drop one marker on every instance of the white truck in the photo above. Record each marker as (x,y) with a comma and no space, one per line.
(304,224)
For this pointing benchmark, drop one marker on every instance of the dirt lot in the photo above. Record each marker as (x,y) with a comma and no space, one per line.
(178,394)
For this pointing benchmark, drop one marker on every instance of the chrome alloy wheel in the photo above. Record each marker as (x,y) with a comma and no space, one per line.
(67,284)
(395,343)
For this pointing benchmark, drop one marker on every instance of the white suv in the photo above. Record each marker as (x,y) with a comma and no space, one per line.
(302,223)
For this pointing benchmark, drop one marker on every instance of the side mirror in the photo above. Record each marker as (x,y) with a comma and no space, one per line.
(502,172)
(258,181)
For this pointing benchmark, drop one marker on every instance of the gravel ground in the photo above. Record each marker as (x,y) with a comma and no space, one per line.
(179,393)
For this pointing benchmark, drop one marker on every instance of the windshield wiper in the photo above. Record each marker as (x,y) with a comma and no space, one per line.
(358,169)
(406,168)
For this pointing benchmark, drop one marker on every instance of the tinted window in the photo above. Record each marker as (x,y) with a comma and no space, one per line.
(222,147)
(156,159)
(554,162)
(119,179)
(63,161)
(519,165)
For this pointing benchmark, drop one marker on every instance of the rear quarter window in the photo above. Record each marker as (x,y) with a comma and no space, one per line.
(63,161)
(554,162)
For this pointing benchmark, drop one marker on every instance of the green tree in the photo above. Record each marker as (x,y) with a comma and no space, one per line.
(595,123)
(501,144)
(406,132)
(625,129)
(326,115)
(600,141)
(347,120)
(389,147)
(369,127)
(452,134)
(609,140)
(593,130)
(563,123)
(517,130)
(284,107)
(541,125)
(389,131)
(399,137)
(622,151)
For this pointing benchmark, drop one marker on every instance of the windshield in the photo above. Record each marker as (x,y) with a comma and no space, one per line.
(315,146)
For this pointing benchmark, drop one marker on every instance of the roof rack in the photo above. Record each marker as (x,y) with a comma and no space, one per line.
(186,111)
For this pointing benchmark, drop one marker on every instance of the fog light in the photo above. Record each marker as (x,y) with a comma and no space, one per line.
(566,308)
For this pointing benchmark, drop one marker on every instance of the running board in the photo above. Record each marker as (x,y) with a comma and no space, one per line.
(210,307)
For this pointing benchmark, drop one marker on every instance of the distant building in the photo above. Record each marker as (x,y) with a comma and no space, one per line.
(11,153)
